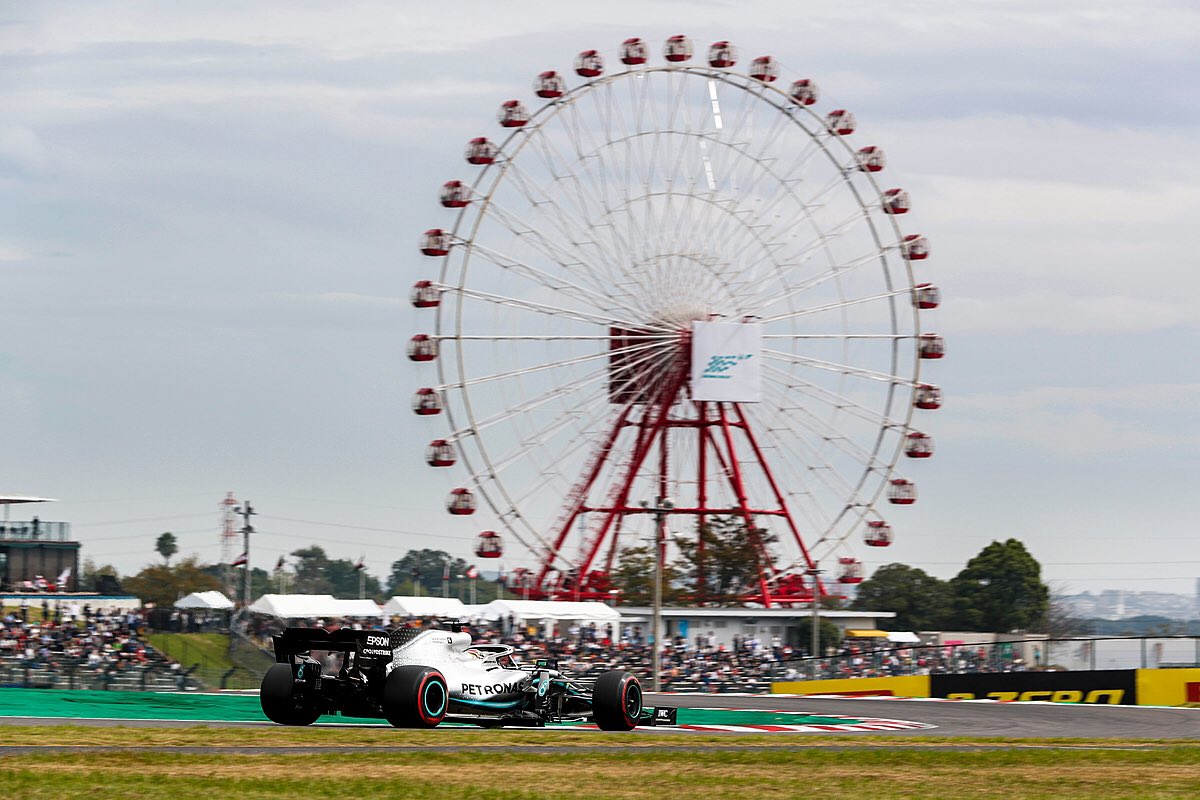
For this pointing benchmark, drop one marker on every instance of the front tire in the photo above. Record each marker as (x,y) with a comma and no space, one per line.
(280,702)
(616,701)
(415,697)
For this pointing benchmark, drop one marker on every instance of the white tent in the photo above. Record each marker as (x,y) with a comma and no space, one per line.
(425,607)
(211,601)
(551,610)
(308,606)
(903,637)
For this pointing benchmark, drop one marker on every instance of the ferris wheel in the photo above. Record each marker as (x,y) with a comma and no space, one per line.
(609,234)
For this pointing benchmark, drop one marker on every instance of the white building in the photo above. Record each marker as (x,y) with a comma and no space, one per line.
(762,623)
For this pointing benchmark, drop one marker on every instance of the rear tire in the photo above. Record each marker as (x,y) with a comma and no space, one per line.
(415,697)
(616,701)
(280,702)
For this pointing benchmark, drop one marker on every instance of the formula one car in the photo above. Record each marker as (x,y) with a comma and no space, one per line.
(417,678)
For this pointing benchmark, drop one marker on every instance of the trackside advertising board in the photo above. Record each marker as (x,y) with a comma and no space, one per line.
(1145,687)
(1106,686)
(726,361)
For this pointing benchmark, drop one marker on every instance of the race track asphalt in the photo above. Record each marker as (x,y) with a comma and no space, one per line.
(969,718)
(949,718)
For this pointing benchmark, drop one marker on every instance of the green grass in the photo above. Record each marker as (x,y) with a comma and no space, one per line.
(790,767)
(277,736)
(211,652)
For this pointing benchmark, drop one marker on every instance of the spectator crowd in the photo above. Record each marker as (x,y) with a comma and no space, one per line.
(97,647)
(93,647)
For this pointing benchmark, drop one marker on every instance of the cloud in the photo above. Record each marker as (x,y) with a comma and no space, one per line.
(1077,421)
(10,253)
(1062,312)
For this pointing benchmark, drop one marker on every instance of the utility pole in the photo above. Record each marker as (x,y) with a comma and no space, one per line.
(813,573)
(662,506)
(246,511)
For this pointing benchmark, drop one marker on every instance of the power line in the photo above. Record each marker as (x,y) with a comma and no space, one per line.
(367,528)
(143,519)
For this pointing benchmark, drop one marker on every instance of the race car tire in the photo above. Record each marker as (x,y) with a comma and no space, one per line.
(280,703)
(616,701)
(415,697)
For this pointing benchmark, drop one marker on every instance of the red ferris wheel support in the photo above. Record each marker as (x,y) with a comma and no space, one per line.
(642,430)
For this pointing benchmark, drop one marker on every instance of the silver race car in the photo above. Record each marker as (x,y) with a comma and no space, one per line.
(417,678)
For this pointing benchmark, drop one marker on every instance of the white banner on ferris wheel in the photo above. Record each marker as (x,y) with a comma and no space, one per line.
(726,361)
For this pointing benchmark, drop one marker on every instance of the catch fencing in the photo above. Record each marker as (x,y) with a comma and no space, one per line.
(1075,654)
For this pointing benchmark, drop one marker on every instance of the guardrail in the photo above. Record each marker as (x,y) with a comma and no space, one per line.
(78,674)
(39,531)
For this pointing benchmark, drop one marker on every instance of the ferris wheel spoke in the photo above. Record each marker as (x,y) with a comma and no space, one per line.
(527,370)
(836,270)
(825,474)
(814,469)
(538,440)
(551,248)
(553,282)
(807,311)
(564,219)
(561,172)
(825,432)
(844,369)
(836,336)
(836,437)
(622,252)
(527,406)
(557,312)
(790,382)
(593,157)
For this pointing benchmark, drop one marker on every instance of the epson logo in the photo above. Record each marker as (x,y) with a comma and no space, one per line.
(377,641)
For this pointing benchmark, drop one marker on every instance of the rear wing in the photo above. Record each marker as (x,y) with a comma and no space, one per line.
(301,641)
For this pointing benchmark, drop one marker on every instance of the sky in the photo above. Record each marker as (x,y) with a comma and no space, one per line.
(209,212)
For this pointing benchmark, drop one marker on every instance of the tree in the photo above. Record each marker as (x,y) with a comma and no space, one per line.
(1061,621)
(166,546)
(310,571)
(103,579)
(163,585)
(317,573)
(921,601)
(633,577)
(1001,589)
(729,565)
(428,566)
(828,635)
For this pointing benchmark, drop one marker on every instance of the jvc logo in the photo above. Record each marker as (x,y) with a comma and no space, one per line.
(719,366)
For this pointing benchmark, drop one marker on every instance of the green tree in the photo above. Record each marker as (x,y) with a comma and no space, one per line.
(1001,589)
(317,573)
(103,579)
(828,635)
(310,571)
(921,602)
(728,566)
(163,585)
(427,566)
(167,546)
(633,577)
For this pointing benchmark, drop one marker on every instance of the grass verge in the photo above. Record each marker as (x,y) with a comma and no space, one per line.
(622,772)
(510,738)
